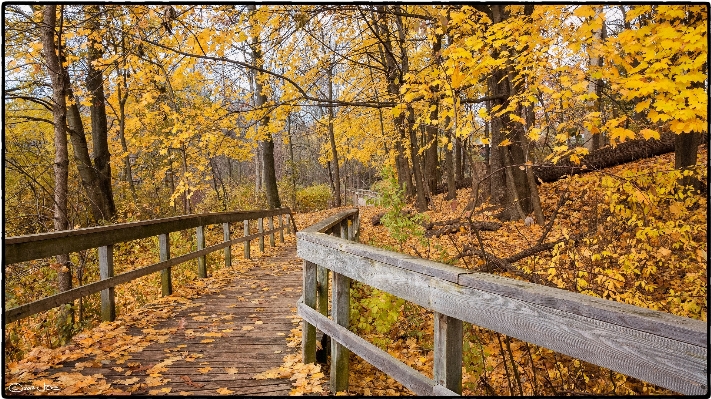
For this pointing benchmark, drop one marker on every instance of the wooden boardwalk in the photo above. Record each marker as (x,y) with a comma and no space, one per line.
(222,340)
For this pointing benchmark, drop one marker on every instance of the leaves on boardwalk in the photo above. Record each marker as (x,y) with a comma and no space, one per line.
(101,361)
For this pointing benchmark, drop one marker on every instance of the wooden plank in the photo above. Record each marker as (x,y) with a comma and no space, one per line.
(106,271)
(652,321)
(281,228)
(675,365)
(405,261)
(246,242)
(272,242)
(308,340)
(329,222)
(322,289)
(448,352)
(202,260)
(260,227)
(380,359)
(341,309)
(226,238)
(164,249)
(37,246)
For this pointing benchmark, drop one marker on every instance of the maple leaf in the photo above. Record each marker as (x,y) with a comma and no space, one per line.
(231,370)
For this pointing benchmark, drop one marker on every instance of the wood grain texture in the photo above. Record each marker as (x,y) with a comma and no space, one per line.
(247,254)
(382,360)
(448,341)
(664,324)
(202,260)
(164,254)
(36,246)
(308,340)
(341,309)
(106,271)
(405,261)
(260,228)
(675,365)
(226,238)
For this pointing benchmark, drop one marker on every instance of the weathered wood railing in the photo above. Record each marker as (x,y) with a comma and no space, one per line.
(38,246)
(656,347)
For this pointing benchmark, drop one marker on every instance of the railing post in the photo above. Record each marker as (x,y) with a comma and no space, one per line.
(106,270)
(281,228)
(308,338)
(246,243)
(341,315)
(288,223)
(344,229)
(202,260)
(448,352)
(322,289)
(226,237)
(260,225)
(166,283)
(271,227)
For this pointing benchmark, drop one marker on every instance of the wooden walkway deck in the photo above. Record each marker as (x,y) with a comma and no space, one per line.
(222,340)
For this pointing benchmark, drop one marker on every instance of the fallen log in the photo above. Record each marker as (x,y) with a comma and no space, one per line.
(606,157)
(453,226)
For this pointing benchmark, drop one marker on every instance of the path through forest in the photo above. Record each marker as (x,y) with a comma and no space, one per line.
(214,344)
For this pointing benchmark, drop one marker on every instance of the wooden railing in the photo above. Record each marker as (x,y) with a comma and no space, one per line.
(38,246)
(653,346)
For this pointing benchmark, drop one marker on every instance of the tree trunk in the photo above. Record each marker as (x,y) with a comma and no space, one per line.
(686,147)
(61,158)
(292,169)
(332,139)
(449,164)
(432,175)
(420,198)
(393,76)
(99,128)
(266,144)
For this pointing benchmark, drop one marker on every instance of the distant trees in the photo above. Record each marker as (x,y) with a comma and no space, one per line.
(185,97)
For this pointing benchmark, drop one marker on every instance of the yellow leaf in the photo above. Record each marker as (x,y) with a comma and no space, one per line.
(505,143)
(231,370)
(224,391)
(247,328)
(641,106)
(205,370)
(649,133)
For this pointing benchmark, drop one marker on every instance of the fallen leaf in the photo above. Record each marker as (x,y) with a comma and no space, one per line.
(224,391)
(231,370)
(190,382)
(207,341)
(248,328)
(205,370)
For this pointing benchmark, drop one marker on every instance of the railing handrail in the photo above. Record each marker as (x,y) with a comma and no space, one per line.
(62,242)
(657,347)
(17,249)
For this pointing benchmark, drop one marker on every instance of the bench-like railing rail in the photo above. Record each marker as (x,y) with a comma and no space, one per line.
(38,246)
(657,347)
